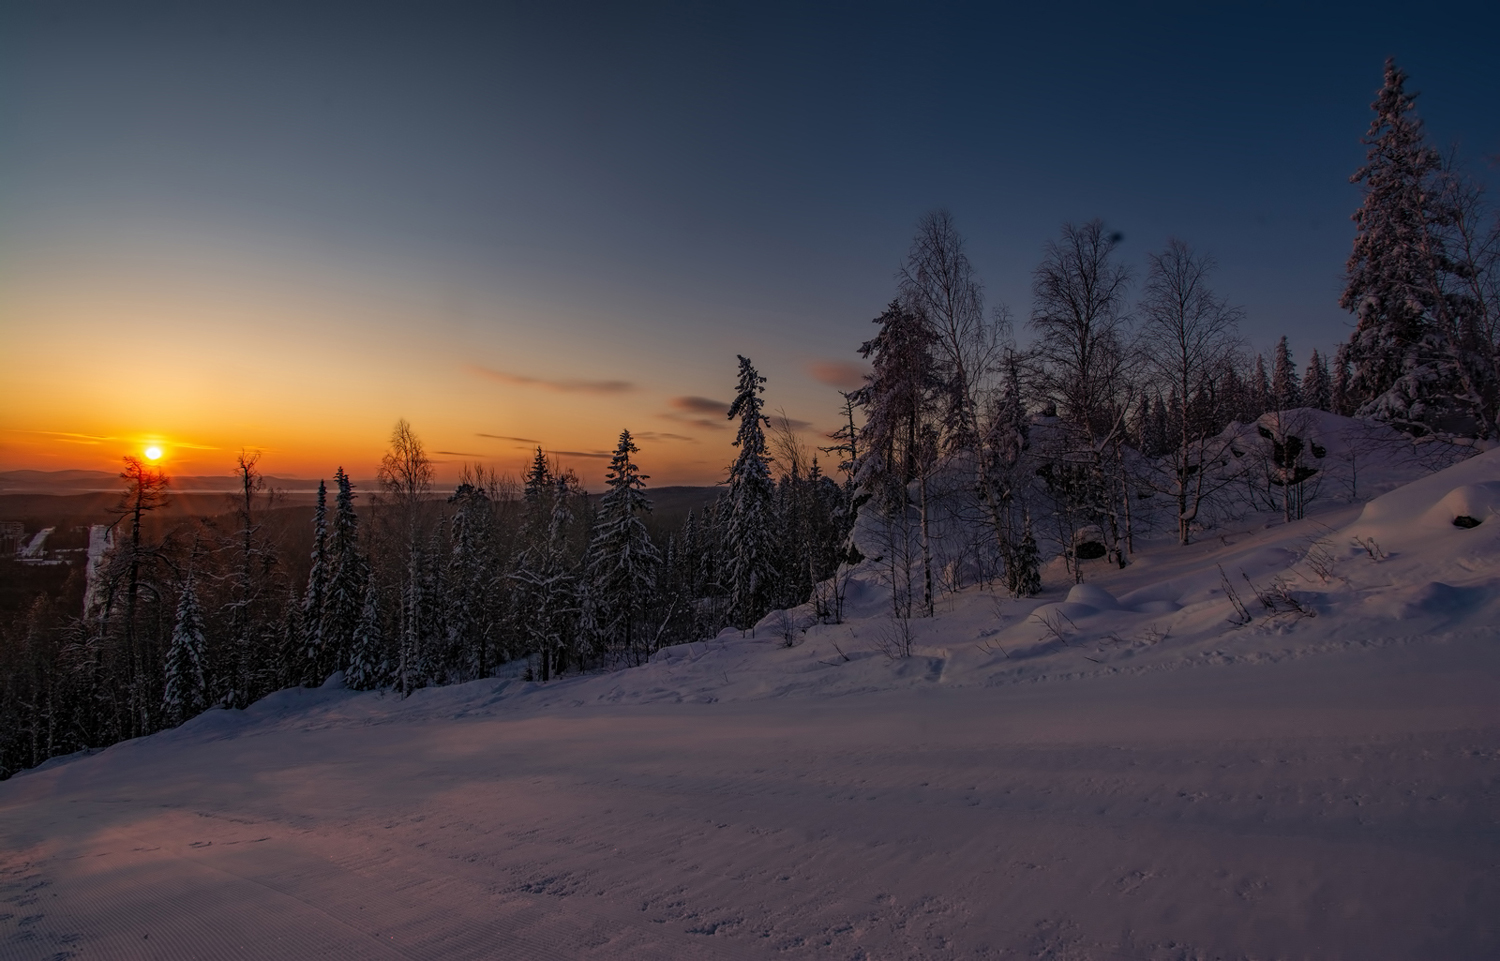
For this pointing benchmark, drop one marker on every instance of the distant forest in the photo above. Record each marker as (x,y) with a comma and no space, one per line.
(1134,411)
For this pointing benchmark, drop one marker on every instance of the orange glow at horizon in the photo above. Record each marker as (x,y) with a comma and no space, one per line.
(313,367)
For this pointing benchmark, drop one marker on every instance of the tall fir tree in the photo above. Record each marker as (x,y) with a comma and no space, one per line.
(1232,394)
(346,582)
(437,661)
(536,496)
(467,582)
(289,655)
(899,438)
(1407,362)
(1286,389)
(1338,386)
(623,563)
(897,400)
(1261,397)
(748,536)
(1006,438)
(186,689)
(316,596)
(369,665)
(1317,391)
(548,581)
(1023,575)
(689,557)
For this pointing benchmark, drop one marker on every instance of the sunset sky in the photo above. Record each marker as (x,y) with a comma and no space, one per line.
(283,226)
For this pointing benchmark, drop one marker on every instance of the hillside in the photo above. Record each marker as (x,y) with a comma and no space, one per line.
(1127,768)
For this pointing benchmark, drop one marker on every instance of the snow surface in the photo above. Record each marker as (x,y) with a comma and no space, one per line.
(1112,770)
(37,543)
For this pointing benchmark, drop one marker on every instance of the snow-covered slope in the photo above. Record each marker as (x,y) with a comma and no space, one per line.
(1126,768)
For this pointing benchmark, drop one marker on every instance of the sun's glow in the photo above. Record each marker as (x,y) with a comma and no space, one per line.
(153,453)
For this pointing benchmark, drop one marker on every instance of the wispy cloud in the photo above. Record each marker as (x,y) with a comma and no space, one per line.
(778,419)
(68,437)
(700,405)
(562,386)
(665,435)
(692,421)
(835,373)
(519,440)
(702,412)
(459,453)
(65,436)
(583,453)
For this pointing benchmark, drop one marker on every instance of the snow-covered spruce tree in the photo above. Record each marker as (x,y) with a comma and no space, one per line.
(1317,391)
(185,693)
(711,606)
(466,582)
(1408,367)
(537,494)
(623,562)
(369,666)
(829,528)
(588,634)
(346,582)
(899,439)
(748,533)
(1006,438)
(1141,432)
(288,656)
(1338,386)
(536,498)
(690,557)
(1233,397)
(897,400)
(316,596)
(549,584)
(1286,390)
(1023,574)
(439,661)
(1261,397)
(806,506)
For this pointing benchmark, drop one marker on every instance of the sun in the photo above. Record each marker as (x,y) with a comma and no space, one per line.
(153,453)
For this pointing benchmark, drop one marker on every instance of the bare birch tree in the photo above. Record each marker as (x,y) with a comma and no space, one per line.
(1078,315)
(406,475)
(1188,335)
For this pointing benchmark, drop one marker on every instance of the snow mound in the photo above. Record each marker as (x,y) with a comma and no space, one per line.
(1470,486)
(1088,595)
(1478,501)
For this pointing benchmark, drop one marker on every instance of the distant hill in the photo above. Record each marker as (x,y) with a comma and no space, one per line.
(88,481)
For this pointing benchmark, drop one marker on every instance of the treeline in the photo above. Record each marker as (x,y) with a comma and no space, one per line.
(967,456)
(412,589)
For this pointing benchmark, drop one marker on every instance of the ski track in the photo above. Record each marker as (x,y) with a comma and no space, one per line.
(936,825)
